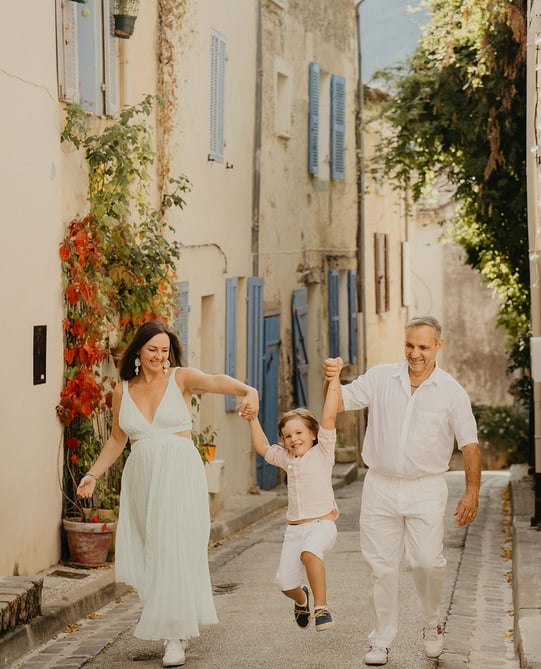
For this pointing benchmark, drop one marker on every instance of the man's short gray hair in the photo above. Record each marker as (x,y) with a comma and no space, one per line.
(432,322)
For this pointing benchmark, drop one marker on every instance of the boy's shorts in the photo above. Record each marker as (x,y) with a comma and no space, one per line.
(317,537)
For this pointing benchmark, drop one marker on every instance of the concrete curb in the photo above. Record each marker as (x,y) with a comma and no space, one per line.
(59,613)
(526,572)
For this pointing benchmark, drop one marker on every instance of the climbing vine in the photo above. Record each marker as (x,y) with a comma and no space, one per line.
(119,270)
(172,15)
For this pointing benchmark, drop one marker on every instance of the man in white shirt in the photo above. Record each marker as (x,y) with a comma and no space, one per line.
(416,411)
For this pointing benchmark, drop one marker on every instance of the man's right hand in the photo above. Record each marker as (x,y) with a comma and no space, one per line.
(332,368)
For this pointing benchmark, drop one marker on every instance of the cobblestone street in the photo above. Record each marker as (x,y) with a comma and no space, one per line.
(256,629)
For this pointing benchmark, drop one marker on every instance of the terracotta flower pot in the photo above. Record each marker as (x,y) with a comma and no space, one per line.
(89,543)
(209,452)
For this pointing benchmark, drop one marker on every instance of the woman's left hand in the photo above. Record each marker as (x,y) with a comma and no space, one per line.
(85,489)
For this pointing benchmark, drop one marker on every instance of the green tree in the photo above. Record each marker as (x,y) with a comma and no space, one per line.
(457,109)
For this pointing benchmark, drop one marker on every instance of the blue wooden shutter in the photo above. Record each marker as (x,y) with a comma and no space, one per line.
(89,39)
(110,61)
(254,334)
(217,97)
(313,119)
(338,126)
(67,55)
(334,313)
(181,324)
(230,336)
(267,475)
(352,315)
(299,312)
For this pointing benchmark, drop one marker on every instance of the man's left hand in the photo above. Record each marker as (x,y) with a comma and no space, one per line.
(466,511)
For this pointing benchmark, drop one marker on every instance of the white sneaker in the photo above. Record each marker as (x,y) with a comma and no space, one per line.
(433,640)
(376,655)
(174,654)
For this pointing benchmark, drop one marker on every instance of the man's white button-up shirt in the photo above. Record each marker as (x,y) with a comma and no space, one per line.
(411,435)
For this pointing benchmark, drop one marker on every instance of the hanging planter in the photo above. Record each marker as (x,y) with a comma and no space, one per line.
(124,14)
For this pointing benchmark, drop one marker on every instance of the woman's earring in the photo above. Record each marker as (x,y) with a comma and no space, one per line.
(166,366)
(137,365)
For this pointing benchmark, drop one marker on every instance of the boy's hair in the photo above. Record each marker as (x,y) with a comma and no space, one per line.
(306,416)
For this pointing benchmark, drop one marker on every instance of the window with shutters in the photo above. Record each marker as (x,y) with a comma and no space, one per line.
(231,336)
(87,51)
(299,318)
(217,97)
(342,309)
(326,124)
(352,314)
(406,274)
(313,119)
(338,126)
(334,312)
(381,270)
(254,334)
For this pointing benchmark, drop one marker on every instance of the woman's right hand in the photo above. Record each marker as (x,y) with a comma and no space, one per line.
(85,489)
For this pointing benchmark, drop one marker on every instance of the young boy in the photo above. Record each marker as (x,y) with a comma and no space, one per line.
(307,455)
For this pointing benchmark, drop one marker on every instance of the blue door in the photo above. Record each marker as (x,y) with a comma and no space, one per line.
(267,475)
(299,317)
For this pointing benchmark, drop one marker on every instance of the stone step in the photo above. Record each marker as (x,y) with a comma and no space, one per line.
(20,601)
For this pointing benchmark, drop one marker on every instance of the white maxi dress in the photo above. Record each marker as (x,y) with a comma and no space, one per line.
(164,523)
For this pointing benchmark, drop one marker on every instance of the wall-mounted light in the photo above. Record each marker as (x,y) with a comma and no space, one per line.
(124,13)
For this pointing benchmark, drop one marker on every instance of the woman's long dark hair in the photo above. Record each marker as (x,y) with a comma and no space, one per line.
(143,334)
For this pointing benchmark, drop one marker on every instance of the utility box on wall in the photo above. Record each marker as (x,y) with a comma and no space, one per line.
(40,354)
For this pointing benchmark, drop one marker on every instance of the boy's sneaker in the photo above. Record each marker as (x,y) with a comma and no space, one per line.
(302,613)
(376,655)
(324,619)
(433,641)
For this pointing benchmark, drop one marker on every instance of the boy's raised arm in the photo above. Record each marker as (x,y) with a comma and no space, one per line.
(260,443)
(333,393)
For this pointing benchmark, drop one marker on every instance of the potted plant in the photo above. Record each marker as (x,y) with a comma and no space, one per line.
(88,543)
(204,439)
(124,15)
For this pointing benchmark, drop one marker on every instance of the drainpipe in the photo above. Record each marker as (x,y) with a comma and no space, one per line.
(361,251)
(256,183)
(533,174)
(361,264)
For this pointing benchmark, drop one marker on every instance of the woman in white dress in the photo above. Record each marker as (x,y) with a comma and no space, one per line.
(164,524)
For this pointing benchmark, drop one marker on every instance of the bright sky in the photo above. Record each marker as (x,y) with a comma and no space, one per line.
(390,31)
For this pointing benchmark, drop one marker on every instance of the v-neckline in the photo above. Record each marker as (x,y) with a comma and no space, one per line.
(151,422)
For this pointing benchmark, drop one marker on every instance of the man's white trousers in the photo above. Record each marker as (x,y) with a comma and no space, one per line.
(403,517)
